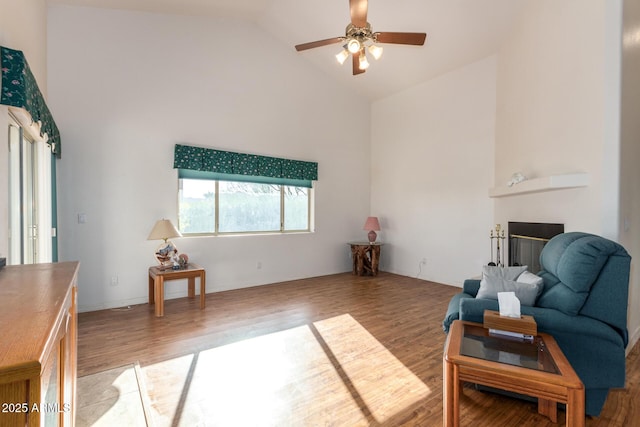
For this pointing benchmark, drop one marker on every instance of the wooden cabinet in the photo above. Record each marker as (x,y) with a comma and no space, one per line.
(38,344)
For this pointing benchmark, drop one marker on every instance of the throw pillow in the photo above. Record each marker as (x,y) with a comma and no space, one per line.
(509,273)
(503,279)
(530,278)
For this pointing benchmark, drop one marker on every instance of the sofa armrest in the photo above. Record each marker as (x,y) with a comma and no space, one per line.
(472,309)
(471,287)
(453,310)
(554,322)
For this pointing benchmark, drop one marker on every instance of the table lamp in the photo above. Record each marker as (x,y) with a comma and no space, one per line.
(372,225)
(167,251)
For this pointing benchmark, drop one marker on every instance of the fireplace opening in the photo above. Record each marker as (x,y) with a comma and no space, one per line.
(526,240)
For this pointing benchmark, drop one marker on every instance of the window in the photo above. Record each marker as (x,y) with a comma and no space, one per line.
(220,207)
(226,192)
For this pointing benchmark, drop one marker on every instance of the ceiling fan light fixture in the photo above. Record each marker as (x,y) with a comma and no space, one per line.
(359,38)
(353,45)
(375,51)
(363,63)
(342,56)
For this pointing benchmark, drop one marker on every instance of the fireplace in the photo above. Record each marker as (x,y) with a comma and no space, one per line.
(526,240)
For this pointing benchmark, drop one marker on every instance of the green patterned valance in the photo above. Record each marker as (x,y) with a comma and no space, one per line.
(20,90)
(207,163)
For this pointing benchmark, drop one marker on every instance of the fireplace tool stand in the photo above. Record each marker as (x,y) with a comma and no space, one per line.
(499,245)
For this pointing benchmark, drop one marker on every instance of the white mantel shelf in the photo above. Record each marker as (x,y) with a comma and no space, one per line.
(537,185)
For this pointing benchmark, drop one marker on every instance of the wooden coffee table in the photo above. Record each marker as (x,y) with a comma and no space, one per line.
(537,369)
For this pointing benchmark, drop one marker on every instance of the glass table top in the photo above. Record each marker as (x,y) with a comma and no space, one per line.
(477,342)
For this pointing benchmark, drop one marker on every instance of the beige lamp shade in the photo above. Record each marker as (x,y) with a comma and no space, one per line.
(163,230)
(372,225)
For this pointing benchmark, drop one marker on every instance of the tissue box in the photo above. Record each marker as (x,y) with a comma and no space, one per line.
(525,324)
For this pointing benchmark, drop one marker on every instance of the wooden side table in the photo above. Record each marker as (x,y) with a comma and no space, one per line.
(158,276)
(472,355)
(366,257)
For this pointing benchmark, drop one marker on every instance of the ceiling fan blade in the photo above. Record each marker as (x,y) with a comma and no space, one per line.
(311,45)
(358,10)
(402,38)
(356,65)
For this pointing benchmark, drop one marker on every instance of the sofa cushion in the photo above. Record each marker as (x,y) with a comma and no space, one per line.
(571,264)
(577,259)
(560,297)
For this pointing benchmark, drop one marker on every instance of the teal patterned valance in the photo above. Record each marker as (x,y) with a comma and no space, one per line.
(207,163)
(20,90)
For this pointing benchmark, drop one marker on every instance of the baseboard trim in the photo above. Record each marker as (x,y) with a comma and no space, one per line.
(112,304)
(633,340)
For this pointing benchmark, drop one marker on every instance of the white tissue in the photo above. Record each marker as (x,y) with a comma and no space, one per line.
(509,304)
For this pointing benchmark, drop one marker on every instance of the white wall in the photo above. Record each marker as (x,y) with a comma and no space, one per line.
(557,112)
(630,146)
(431,167)
(563,107)
(127,86)
(23,26)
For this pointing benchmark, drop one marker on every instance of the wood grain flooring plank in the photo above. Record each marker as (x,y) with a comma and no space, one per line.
(358,351)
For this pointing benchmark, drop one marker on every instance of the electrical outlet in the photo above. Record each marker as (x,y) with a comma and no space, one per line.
(423,261)
(114,280)
(259,265)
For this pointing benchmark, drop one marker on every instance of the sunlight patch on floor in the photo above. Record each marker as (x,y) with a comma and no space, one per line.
(331,372)
(384,384)
(109,398)
(278,379)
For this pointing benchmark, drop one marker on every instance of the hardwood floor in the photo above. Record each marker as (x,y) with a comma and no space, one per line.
(332,350)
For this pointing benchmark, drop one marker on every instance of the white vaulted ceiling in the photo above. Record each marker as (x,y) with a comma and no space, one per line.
(458,32)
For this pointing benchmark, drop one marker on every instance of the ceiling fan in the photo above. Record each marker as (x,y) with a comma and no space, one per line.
(359,37)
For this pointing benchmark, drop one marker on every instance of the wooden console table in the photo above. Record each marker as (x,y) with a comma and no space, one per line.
(366,257)
(158,276)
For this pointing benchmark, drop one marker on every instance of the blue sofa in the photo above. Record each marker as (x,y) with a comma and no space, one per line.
(583,305)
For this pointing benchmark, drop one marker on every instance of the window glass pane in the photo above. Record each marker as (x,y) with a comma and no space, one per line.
(197,206)
(246,206)
(296,208)
(29,199)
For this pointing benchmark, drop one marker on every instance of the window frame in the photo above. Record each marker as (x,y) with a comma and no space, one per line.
(29,169)
(217,232)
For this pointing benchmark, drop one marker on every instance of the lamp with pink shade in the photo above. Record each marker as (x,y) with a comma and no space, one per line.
(372,225)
